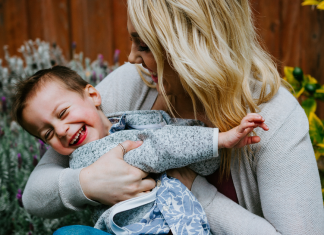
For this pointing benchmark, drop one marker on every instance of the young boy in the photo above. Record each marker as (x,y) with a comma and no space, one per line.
(59,107)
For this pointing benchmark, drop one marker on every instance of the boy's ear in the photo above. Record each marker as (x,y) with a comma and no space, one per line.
(94,94)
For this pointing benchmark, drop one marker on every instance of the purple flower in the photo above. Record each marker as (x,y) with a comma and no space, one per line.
(31,227)
(74,45)
(42,148)
(116,56)
(19,198)
(100,77)
(19,160)
(35,160)
(4,104)
(1,132)
(94,76)
(31,148)
(101,60)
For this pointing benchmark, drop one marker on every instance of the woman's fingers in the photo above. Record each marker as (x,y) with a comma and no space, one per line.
(146,185)
(129,145)
(110,179)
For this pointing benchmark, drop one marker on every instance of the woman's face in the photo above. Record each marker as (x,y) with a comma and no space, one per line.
(141,54)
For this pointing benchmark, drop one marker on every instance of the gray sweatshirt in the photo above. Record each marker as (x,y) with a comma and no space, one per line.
(278,187)
(167,144)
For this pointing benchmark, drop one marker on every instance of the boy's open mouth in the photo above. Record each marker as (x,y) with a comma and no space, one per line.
(79,136)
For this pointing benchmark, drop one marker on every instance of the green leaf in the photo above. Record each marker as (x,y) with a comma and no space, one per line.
(289,77)
(309,105)
(310,2)
(317,154)
(316,129)
(310,79)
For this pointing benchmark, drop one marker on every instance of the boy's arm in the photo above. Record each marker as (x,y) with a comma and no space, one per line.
(173,147)
(178,146)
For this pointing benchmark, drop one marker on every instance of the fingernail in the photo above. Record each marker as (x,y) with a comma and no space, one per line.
(139,141)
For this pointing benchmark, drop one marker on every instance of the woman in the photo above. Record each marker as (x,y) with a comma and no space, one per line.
(207,63)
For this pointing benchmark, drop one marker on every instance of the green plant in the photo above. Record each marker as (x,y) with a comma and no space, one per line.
(19,154)
(318,3)
(308,91)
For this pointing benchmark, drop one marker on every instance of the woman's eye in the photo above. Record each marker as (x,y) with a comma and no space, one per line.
(62,113)
(141,45)
(143,48)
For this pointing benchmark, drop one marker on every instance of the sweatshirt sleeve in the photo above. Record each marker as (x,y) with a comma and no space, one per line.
(53,190)
(176,146)
(288,184)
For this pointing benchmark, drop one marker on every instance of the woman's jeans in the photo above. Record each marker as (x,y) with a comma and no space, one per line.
(79,230)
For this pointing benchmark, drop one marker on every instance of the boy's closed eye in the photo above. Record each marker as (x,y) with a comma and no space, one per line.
(48,135)
(62,113)
(50,132)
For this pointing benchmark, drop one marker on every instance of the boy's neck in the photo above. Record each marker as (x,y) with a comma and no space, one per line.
(106,121)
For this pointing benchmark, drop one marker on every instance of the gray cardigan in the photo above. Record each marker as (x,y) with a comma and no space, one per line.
(278,187)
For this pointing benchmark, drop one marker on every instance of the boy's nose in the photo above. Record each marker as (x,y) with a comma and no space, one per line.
(61,130)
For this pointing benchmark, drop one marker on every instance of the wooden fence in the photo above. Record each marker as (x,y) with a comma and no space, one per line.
(293,34)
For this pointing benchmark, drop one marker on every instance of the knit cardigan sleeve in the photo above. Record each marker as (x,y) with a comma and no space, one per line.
(53,189)
(288,186)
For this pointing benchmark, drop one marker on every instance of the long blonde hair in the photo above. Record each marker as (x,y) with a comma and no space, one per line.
(214,48)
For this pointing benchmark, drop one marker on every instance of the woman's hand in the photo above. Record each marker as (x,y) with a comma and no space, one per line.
(110,179)
(184,174)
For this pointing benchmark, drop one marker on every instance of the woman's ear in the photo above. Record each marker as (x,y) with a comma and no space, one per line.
(93,94)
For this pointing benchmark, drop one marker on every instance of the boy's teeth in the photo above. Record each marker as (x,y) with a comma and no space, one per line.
(77,136)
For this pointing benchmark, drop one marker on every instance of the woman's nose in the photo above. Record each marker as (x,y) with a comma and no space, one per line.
(134,55)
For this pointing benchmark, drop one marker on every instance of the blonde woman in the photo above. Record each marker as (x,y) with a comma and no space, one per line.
(207,64)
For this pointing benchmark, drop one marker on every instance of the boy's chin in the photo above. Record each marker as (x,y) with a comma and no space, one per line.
(65,152)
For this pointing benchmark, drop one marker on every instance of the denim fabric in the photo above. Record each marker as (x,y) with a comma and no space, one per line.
(79,230)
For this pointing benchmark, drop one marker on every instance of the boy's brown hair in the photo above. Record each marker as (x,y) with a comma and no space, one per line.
(27,88)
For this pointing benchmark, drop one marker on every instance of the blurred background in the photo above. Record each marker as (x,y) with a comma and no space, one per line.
(292,33)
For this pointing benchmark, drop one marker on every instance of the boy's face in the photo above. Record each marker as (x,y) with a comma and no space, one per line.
(63,118)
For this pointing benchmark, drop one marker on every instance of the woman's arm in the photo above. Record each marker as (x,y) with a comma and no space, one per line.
(58,191)
(288,184)
(50,187)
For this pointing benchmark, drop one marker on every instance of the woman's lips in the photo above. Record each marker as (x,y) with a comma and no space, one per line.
(154,78)
(153,75)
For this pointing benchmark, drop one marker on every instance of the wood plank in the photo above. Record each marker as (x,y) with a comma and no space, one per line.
(290,33)
(15,22)
(79,24)
(35,19)
(2,30)
(92,27)
(121,36)
(312,46)
(267,21)
(55,24)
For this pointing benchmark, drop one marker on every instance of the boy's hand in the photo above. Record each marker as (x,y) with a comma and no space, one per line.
(238,136)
